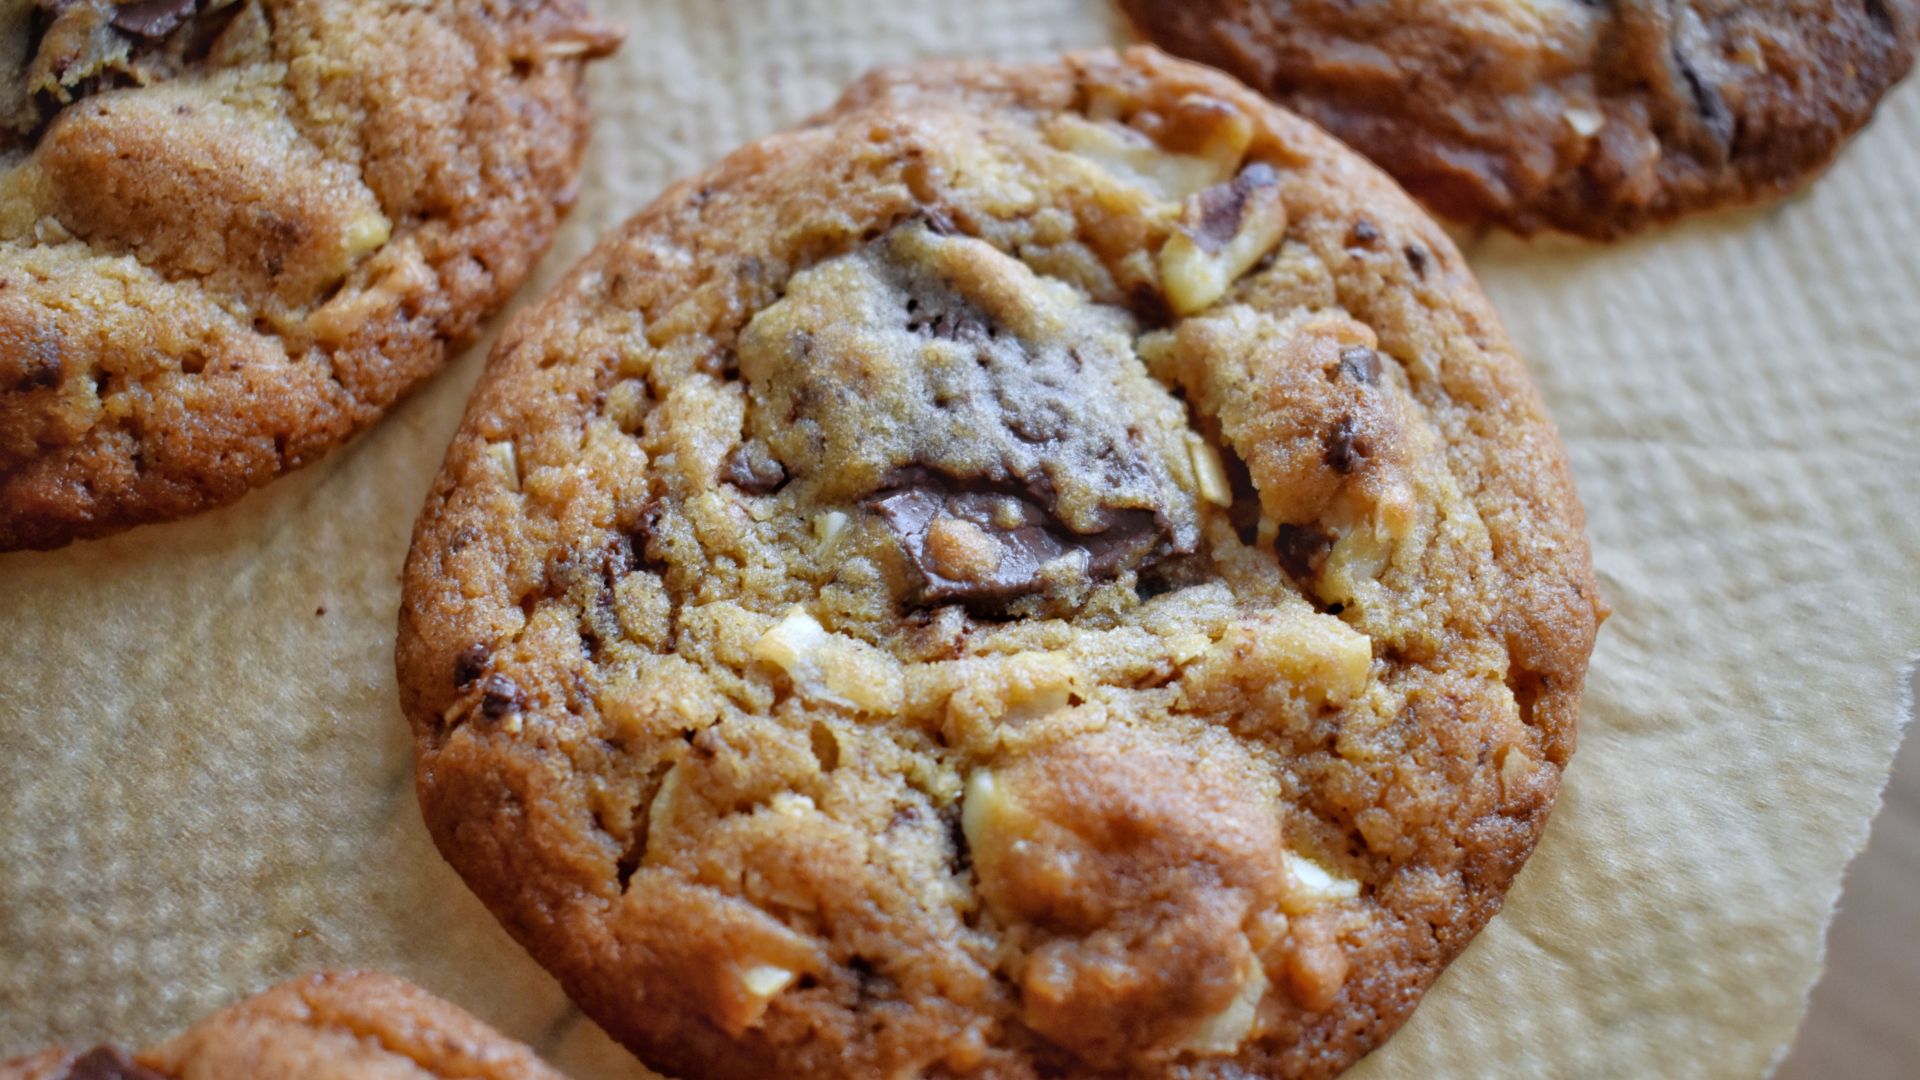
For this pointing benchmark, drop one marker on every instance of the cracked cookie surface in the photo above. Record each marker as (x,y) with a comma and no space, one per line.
(1593,118)
(1047,570)
(234,232)
(347,1026)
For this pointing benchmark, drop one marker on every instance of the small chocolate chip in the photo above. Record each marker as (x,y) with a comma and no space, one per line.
(43,371)
(470,664)
(752,469)
(106,1063)
(1150,306)
(1364,233)
(1301,549)
(1417,258)
(1360,364)
(1345,445)
(501,698)
(152,19)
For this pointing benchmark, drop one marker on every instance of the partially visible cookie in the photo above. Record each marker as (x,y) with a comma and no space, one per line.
(355,1026)
(233,232)
(1048,570)
(1593,118)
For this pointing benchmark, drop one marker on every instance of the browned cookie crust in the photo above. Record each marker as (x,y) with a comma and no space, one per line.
(1047,570)
(323,1027)
(233,232)
(1592,117)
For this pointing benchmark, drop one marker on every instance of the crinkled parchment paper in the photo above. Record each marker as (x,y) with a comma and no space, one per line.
(204,777)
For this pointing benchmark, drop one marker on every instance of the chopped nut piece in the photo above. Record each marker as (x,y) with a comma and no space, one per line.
(791,643)
(981,809)
(960,550)
(766,980)
(1326,660)
(1311,886)
(1317,966)
(399,271)
(1515,768)
(1586,123)
(756,985)
(1224,1031)
(1209,474)
(1135,160)
(504,459)
(1026,703)
(830,668)
(1223,231)
(365,234)
(829,527)
(1210,128)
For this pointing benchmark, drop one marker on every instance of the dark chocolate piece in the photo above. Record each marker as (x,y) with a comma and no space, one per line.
(1222,206)
(107,1063)
(152,19)
(1360,364)
(755,471)
(501,698)
(470,664)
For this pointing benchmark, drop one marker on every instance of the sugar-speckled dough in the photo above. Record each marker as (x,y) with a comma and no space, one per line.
(351,1026)
(1047,570)
(233,232)
(1594,118)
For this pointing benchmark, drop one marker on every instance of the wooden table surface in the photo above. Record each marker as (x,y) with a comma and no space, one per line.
(1864,1023)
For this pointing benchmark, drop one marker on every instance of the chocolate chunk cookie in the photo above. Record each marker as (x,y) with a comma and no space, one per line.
(1594,118)
(233,232)
(1044,571)
(323,1027)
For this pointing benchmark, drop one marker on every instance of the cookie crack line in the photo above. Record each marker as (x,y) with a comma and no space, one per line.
(1020,576)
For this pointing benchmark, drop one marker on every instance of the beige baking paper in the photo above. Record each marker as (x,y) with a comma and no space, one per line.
(204,775)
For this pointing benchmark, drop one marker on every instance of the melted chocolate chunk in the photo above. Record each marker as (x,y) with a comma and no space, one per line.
(1417,258)
(106,1063)
(1364,234)
(1014,532)
(1002,444)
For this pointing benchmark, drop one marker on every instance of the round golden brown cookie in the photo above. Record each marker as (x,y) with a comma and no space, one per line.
(1046,570)
(1592,117)
(349,1026)
(233,232)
